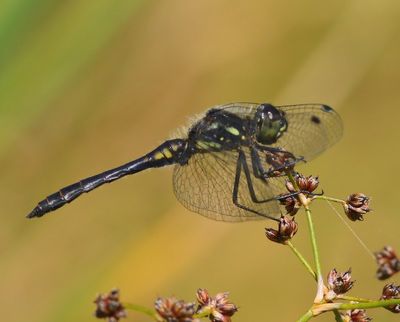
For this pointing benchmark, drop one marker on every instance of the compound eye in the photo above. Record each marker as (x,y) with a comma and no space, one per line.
(260,120)
(283,126)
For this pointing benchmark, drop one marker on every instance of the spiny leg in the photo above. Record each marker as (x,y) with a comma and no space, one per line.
(258,170)
(256,164)
(264,179)
(241,162)
(274,171)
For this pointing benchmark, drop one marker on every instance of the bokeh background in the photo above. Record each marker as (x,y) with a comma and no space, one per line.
(89,85)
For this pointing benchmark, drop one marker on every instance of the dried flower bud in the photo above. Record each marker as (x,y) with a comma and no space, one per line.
(306,184)
(220,307)
(357,205)
(224,306)
(391,291)
(388,263)
(203,297)
(292,204)
(173,310)
(338,283)
(109,306)
(356,315)
(289,186)
(286,230)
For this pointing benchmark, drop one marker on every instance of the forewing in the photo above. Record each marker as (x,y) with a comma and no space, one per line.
(241,109)
(312,128)
(205,186)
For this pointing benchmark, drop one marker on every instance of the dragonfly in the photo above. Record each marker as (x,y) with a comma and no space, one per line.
(231,162)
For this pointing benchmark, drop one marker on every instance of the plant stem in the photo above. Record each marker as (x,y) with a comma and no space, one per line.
(321,308)
(302,259)
(320,287)
(353,298)
(306,317)
(338,317)
(330,199)
(369,305)
(141,309)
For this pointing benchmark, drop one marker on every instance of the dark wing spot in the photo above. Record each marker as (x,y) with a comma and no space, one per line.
(315,119)
(212,111)
(326,108)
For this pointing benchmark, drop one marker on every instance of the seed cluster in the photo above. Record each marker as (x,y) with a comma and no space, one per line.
(108,306)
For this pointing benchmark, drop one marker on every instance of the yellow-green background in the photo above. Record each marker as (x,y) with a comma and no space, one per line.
(86,85)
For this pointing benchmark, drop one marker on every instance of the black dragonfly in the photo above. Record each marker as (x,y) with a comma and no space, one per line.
(231,164)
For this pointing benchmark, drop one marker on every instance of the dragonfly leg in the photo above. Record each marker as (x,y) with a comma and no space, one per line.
(279,159)
(269,149)
(258,169)
(242,163)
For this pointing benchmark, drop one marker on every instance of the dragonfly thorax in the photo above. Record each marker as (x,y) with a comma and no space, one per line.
(219,130)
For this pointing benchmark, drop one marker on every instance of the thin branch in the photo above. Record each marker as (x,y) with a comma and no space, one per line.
(302,260)
(320,287)
(353,298)
(330,199)
(338,317)
(321,308)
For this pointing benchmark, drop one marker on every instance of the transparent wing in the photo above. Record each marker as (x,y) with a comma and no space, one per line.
(242,109)
(205,186)
(312,128)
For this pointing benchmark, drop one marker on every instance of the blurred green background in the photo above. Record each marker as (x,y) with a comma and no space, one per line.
(89,85)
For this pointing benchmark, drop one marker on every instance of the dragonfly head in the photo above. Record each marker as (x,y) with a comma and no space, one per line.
(270,124)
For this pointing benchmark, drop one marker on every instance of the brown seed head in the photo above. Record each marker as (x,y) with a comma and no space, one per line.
(356,315)
(108,306)
(286,230)
(388,263)
(220,306)
(174,310)
(292,204)
(391,291)
(203,297)
(357,205)
(306,184)
(338,283)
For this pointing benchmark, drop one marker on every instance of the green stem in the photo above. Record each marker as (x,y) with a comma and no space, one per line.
(321,308)
(369,305)
(338,317)
(306,317)
(330,199)
(320,287)
(353,298)
(302,259)
(139,308)
(313,242)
